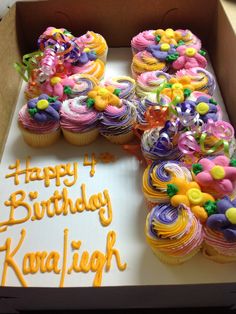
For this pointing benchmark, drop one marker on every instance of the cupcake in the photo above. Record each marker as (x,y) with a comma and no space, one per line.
(39,121)
(124,86)
(155,58)
(79,122)
(201,79)
(173,233)
(84,61)
(152,37)
(158,176)
(96,43)
(117,115)
(220,232)
(216,175)
(161,143)
(148,82)
(117,123)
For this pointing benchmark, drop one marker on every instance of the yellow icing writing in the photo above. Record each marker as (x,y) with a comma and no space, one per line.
(46,174)
(58,204)
(91,163)
(98,260)
(34,262)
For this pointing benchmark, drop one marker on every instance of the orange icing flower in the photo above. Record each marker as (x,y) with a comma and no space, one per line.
(101,97)
(168,36)
(189,194)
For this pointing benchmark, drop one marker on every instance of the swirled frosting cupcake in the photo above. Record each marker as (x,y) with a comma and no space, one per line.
(39,121)
(201,79)
(220,232)
(161,143)
(94,42)
(148,83)
(141,41)
(173,233)
(124,86)
(158,176)
(144,61)
(79,123)
(95,67)
(117,123)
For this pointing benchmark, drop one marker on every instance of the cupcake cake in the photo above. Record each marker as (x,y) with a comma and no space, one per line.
(173,233)
(38,121)
(96,43)
(158,176)
(220,232)
(79,121)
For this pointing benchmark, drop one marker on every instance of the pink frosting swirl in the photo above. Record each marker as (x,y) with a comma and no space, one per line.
(142,40)
(77,117)
(30,124)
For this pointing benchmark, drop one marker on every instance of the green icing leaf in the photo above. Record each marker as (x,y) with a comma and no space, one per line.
(212,101)
(233,162)
(158,38)
(32,111)
(168,85)
(197,168)
(67,90)
(90,102)
(52,99)
(187,92)
(117,92)
(181,43)
(210,207)
(172,189)
(172,57)
(202,52)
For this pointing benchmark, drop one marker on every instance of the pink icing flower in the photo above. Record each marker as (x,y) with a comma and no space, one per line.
(189,58)
(217,175)
(57,86)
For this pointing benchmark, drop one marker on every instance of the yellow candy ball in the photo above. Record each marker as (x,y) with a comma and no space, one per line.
(195,196)
(231,215)
(102,91)
(165,47)
(217,172)
(54,80)
(42,104)
(177,86)
(56,30)
(190,52)
(202,108)
(86,49)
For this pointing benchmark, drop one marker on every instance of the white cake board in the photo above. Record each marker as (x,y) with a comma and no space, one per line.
(123,179)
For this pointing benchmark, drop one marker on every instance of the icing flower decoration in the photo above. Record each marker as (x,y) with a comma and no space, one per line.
(218,175)
(168,36)
(83,57)
(207,108)
(189,194)
(185,81)
(58,86)
(44,108)
(224,220)
(176,91)
(189,58)
(101,97)
(163,52)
